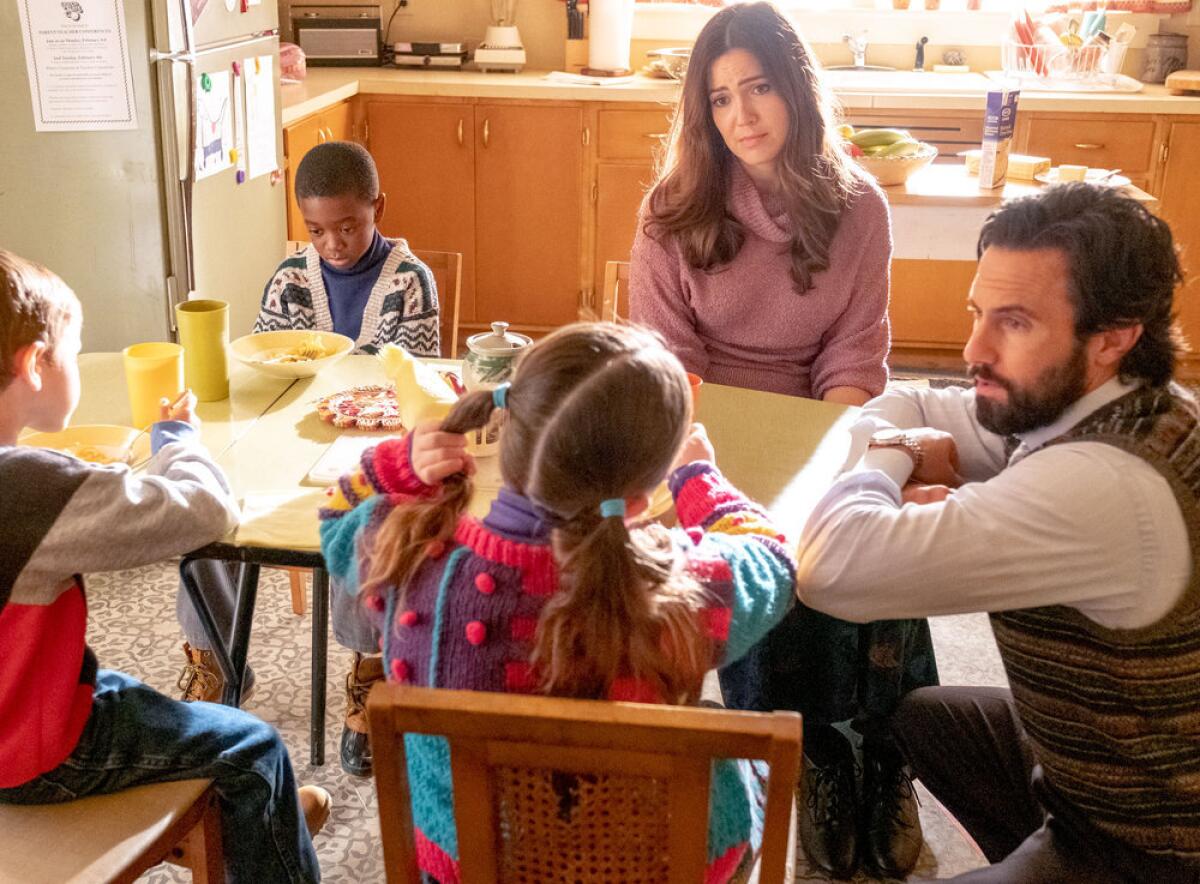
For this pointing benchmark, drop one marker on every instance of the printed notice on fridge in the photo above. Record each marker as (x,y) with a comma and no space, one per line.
(261,128)
(77,58)
(214,123)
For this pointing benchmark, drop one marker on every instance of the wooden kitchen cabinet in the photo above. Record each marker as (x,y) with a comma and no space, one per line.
(333,124)
(528,213)
(627,145)
(500,182)
(1180,196)
(1105,141)
(425,154)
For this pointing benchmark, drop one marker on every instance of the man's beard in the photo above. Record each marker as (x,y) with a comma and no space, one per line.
(1037,405)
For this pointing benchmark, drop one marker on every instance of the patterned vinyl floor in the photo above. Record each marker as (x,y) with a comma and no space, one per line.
(133,629)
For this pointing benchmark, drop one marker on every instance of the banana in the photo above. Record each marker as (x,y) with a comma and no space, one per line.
(874,150)
(865,138)
(901,149)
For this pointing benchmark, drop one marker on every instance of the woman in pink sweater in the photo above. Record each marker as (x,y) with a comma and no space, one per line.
(762,256)
(762,252)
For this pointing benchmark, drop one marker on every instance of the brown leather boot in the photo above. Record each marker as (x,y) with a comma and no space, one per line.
(201,677)
(356,747)
(315,804)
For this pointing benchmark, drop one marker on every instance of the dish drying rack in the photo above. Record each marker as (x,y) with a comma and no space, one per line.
(1063,66)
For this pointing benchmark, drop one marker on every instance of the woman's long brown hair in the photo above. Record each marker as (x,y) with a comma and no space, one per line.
(595,411)
(688,203)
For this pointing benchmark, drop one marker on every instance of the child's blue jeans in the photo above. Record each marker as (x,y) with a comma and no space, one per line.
(135,735)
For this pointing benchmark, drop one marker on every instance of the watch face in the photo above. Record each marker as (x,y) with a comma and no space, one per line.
(888,437)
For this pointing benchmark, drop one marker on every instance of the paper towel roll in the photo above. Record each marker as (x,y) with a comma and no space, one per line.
(610,28)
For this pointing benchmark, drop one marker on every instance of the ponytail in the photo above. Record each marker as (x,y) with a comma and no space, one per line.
(410,532)
(622,609)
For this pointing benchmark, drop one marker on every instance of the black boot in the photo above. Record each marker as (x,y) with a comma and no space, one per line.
(892,836)
(826,802)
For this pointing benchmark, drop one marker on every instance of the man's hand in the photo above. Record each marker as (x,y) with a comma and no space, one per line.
(695,447)
(436,455)
(915,493)
(939,458)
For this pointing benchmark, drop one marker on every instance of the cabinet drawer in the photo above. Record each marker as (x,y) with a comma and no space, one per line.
(631,134)
(1106,144)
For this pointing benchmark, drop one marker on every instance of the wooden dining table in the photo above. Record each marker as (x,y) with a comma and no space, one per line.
(782,451)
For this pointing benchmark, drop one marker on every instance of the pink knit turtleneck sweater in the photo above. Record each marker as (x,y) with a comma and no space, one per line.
(745,325)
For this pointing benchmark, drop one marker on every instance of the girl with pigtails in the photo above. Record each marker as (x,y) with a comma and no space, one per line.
(558,590)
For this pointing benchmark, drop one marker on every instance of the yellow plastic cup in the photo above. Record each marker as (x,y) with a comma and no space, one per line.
(153,372)
(204,334)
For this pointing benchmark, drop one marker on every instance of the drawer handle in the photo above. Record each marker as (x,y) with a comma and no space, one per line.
(486,132)
(320,135)
(657,136)
(329,133)
(1088,146)
(460,131)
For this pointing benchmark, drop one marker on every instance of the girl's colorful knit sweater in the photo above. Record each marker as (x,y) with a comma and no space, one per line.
(471,612)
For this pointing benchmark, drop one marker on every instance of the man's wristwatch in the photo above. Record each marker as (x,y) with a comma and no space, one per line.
(893,438)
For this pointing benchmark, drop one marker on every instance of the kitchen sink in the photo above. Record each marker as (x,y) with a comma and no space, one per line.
(905,81)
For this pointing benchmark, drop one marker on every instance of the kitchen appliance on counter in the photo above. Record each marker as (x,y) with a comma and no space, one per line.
(501,49)
(444,56)
(139,219)
(339,35)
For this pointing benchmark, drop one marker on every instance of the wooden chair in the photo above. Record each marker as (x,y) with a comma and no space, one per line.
(614,300)
(640,811)
(446,268)
(114,837)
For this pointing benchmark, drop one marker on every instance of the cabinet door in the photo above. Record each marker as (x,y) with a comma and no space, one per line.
(1100,142)
(1180,197)
(528,213)
(338,122)
(619,193)
(425,157)
(298,139)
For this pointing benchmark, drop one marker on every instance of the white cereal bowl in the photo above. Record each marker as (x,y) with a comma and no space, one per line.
(254,350)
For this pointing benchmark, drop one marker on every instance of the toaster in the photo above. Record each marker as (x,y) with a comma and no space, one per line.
(338,35)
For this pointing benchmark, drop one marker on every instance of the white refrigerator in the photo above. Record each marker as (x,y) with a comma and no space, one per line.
(139,219)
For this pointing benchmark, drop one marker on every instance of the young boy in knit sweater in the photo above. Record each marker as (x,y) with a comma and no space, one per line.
(350,278)
(555,591)
(68,728)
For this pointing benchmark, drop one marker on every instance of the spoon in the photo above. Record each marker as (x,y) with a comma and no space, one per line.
(1107,176)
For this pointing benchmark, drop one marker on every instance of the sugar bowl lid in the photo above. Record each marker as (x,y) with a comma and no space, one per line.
(498,342)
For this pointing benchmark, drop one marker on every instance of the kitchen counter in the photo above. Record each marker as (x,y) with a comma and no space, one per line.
(324,87)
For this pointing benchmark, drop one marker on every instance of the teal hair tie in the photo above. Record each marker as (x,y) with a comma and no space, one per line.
(500,395)
(614,506)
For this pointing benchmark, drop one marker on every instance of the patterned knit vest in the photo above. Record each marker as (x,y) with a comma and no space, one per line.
(1114,714)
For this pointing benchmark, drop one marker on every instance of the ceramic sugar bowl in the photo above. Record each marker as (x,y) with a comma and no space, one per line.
(492,356)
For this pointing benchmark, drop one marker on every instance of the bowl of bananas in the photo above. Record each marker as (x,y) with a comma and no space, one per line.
(891,155)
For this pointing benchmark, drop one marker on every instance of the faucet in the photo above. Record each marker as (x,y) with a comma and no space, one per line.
(858,47)
(919,62)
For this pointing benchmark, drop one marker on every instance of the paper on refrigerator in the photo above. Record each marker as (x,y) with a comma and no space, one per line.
(214,123)
(259,74)
(77,58)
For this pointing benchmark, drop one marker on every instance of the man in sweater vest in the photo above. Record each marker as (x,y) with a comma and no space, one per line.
(1058,493)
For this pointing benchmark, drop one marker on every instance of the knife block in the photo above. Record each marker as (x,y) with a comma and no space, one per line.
(576,56)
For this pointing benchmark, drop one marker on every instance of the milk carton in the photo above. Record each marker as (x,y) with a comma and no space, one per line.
(998,123)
